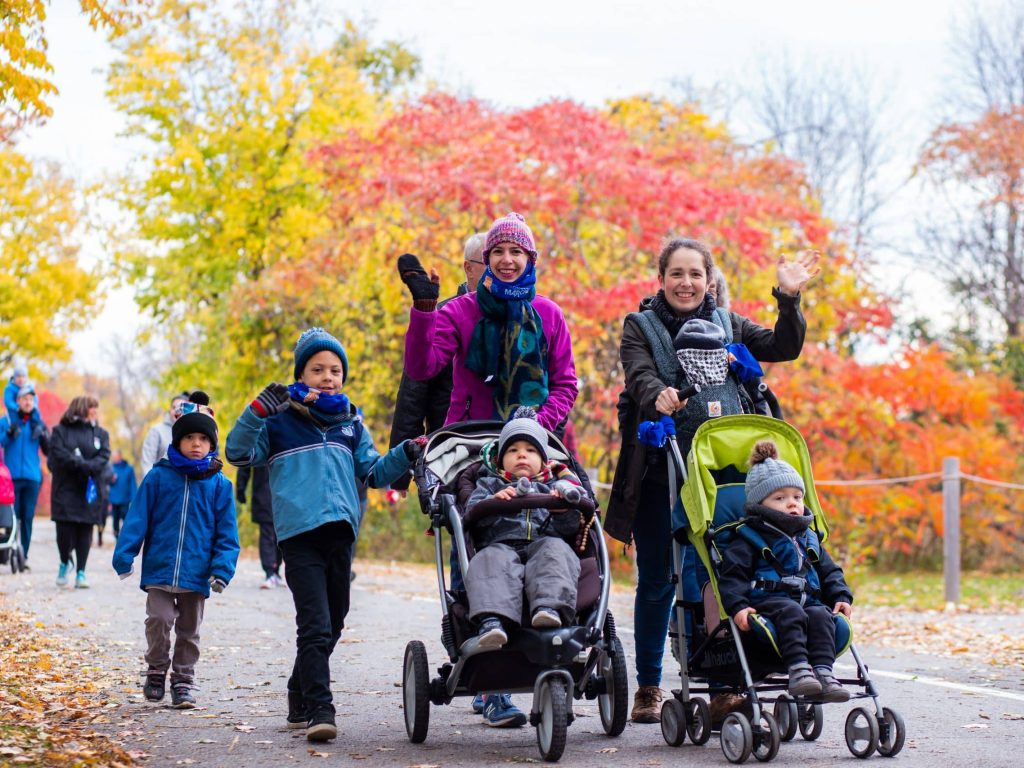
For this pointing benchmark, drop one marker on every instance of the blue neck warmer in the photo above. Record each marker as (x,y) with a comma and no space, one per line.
(318,401)
(190,466)
(521,290)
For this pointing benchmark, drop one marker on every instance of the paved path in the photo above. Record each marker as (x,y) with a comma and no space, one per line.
(247,647)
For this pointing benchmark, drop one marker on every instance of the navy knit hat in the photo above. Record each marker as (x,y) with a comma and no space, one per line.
(315,340)
(700,334)
(196,416)
(768,473)
(523,426)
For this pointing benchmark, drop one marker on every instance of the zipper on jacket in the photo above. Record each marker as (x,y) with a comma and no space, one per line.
(529,526)
(465,413)
(181,536)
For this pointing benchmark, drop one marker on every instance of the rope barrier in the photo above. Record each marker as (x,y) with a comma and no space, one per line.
(997,483)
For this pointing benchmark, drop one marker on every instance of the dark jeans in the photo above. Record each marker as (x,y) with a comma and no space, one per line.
(26,493)
(117,513)
(319,563)
(805,633)
(77,537)
(654,591)
(270,553)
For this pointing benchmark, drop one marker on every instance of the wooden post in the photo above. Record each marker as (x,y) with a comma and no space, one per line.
(951,528)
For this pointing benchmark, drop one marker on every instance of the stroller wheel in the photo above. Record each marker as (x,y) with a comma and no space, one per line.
(553,721)
(698,721)
(737,737)
(613,704)
(812,719)
(766,738)
(891,733)
(861,732)
(673,722)
(416,691)
(787,716)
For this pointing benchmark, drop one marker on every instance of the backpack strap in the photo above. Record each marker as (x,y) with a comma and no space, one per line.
(722,318)
(662,348)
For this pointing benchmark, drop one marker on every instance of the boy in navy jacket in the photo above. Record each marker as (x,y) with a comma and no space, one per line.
(184,512)
(318,450)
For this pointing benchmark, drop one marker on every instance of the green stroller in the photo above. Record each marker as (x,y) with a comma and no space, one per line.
(715,656)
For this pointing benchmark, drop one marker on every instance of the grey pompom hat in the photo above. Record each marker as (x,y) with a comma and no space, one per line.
(523,426)
(768,473)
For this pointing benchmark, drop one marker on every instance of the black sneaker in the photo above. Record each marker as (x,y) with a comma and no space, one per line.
(181,696)
(321,726)
(153,688)
(492,634)
(297,717)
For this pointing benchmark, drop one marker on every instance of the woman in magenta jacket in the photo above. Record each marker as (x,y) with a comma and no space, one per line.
(510,347)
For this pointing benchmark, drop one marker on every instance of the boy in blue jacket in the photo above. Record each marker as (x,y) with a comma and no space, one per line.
(184,512)
(317,449)
(21,439)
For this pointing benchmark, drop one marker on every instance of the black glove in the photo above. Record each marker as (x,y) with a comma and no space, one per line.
(38,431)
(414,448)
(272,400)
(14,430)
(425,291)
(217,584)
(240,496)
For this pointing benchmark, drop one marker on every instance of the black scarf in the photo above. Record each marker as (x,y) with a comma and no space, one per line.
(791,525)
(672,321)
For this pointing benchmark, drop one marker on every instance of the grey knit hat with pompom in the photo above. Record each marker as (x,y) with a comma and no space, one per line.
(523,426)
(768,473)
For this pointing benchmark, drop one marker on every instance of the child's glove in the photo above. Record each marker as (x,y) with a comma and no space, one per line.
(240,496)
(272,400)
(524,487)
(217,584)
(38,431)
(425,290)
(572,494)
(414,447)
(14,430)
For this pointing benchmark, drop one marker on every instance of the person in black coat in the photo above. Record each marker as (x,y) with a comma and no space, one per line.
(79,452)
(421,406)
(263,515)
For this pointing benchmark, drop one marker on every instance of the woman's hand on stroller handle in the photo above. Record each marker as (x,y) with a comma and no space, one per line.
(741,618)
(670,399)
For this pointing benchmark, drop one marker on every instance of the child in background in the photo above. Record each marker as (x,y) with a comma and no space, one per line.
(18,380)
(184,514)
(795,591)
(318,450)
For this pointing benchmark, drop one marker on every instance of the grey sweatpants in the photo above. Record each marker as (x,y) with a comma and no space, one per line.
(184,612)
(497,575)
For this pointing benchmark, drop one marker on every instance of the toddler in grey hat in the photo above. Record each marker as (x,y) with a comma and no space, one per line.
(797,588)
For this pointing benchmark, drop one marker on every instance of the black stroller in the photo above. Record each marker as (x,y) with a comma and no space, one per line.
(583,659)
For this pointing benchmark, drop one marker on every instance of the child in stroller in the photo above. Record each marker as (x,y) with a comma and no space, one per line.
(571,652)
(10,542)
(715,655)
(525,549)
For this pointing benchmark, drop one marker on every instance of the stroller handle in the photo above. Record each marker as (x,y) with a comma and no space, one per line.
(556,504)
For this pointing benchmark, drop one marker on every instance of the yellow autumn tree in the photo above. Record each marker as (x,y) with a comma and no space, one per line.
(44,292)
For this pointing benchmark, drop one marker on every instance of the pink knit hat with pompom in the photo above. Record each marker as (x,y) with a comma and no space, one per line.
(510,229)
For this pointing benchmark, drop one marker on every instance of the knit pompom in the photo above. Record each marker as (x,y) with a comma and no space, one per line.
(199,397)
(764,450)
(524,412)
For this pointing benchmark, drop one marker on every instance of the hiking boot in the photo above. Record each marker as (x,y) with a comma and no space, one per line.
(153,688)
(832,690)
(500,712)
(321,727)
(491,633)
(546,618)
(80,581)
(297,717)
(181,696)
(62,575)
(723,703)
(647,704)
(478,704)
(802,681)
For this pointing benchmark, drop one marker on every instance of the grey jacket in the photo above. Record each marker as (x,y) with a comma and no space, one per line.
(525,525)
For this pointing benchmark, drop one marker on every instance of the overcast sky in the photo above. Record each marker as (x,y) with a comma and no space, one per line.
(528,52)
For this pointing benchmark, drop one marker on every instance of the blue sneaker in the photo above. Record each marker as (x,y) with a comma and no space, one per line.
(500,712)
(478,704)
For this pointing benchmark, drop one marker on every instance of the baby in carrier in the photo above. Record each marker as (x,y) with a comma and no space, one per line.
(528,548)
(777,569)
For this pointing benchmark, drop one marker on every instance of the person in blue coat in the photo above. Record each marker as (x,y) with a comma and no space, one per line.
(122,490)
(184,515)
(22,438)
(318,451)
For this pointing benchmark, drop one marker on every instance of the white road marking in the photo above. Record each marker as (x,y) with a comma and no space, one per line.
(938,682)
